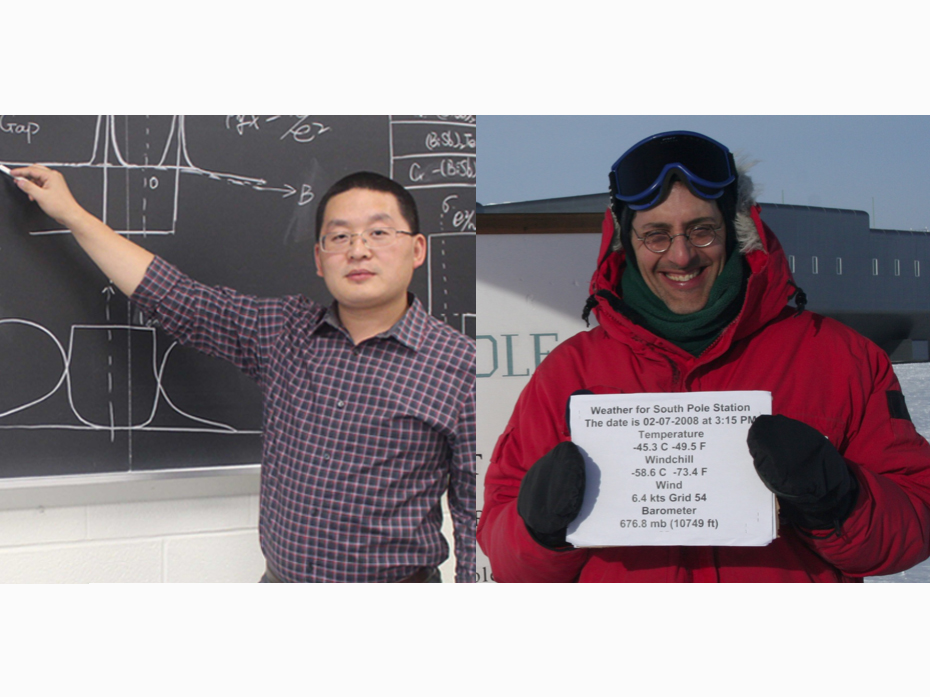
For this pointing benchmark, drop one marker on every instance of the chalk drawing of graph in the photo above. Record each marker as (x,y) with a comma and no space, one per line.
(106,404)
(135,198)
(140,197)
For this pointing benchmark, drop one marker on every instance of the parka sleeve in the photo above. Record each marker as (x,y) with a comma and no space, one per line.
(888,530)
(536,426)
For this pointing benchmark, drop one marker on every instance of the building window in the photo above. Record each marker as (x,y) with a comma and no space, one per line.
(839,266)
(897,267)
(814,265)
(791,262)
(875,267)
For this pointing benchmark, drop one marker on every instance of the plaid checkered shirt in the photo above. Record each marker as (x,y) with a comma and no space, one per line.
(360,442)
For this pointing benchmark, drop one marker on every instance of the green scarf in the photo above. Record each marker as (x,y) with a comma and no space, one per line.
(696,331)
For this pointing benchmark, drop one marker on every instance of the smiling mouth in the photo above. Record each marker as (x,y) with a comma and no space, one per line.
(684,277)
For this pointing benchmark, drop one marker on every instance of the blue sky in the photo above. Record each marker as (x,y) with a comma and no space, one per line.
(831,161)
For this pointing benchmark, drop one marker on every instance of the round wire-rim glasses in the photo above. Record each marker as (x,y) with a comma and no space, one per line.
(659,241)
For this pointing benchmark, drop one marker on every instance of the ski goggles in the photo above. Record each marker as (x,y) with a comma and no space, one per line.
(641,175)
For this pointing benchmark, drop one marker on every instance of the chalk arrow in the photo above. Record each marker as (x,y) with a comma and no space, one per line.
(288,190)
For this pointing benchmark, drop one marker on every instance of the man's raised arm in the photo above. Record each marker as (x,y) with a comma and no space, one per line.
(123,262)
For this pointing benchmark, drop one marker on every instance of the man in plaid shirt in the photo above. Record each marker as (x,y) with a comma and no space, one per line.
(369,405)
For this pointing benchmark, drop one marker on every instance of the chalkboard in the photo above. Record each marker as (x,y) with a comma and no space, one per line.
(84,386)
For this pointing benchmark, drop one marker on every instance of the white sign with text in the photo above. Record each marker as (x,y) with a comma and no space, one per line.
(670,469)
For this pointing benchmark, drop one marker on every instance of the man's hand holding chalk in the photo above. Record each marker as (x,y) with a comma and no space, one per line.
(48,188)
(8,171)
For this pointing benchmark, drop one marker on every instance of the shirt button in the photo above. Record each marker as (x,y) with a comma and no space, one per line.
(326,456)
(340,404)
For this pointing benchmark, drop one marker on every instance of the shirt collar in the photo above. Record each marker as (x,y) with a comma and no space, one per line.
(410,330)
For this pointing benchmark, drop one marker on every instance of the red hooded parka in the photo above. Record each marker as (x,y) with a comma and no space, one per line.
(818,371)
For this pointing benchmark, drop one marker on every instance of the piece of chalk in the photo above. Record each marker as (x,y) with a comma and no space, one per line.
(6,170)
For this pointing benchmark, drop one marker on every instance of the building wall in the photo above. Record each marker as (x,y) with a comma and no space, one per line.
(163,538)
(523,314)
(185,540)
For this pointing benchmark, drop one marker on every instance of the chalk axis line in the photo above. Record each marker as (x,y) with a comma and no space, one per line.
(438,285)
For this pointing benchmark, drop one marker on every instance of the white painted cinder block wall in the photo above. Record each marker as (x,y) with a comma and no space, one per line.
(163,538)
(187,540)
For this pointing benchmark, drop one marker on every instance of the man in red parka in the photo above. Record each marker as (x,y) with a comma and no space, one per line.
(691,293)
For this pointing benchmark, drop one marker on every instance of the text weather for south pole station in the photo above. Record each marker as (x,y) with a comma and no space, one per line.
(670,469)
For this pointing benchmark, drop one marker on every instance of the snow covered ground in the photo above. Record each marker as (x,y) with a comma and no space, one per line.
(915,383)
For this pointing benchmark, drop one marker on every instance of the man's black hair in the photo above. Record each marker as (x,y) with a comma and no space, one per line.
(371,181)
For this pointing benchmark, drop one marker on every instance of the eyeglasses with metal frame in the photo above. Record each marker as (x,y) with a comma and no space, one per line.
(659,242)
(373,238)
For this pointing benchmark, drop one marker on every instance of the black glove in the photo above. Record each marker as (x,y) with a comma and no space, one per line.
(551,494)
(814,486)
